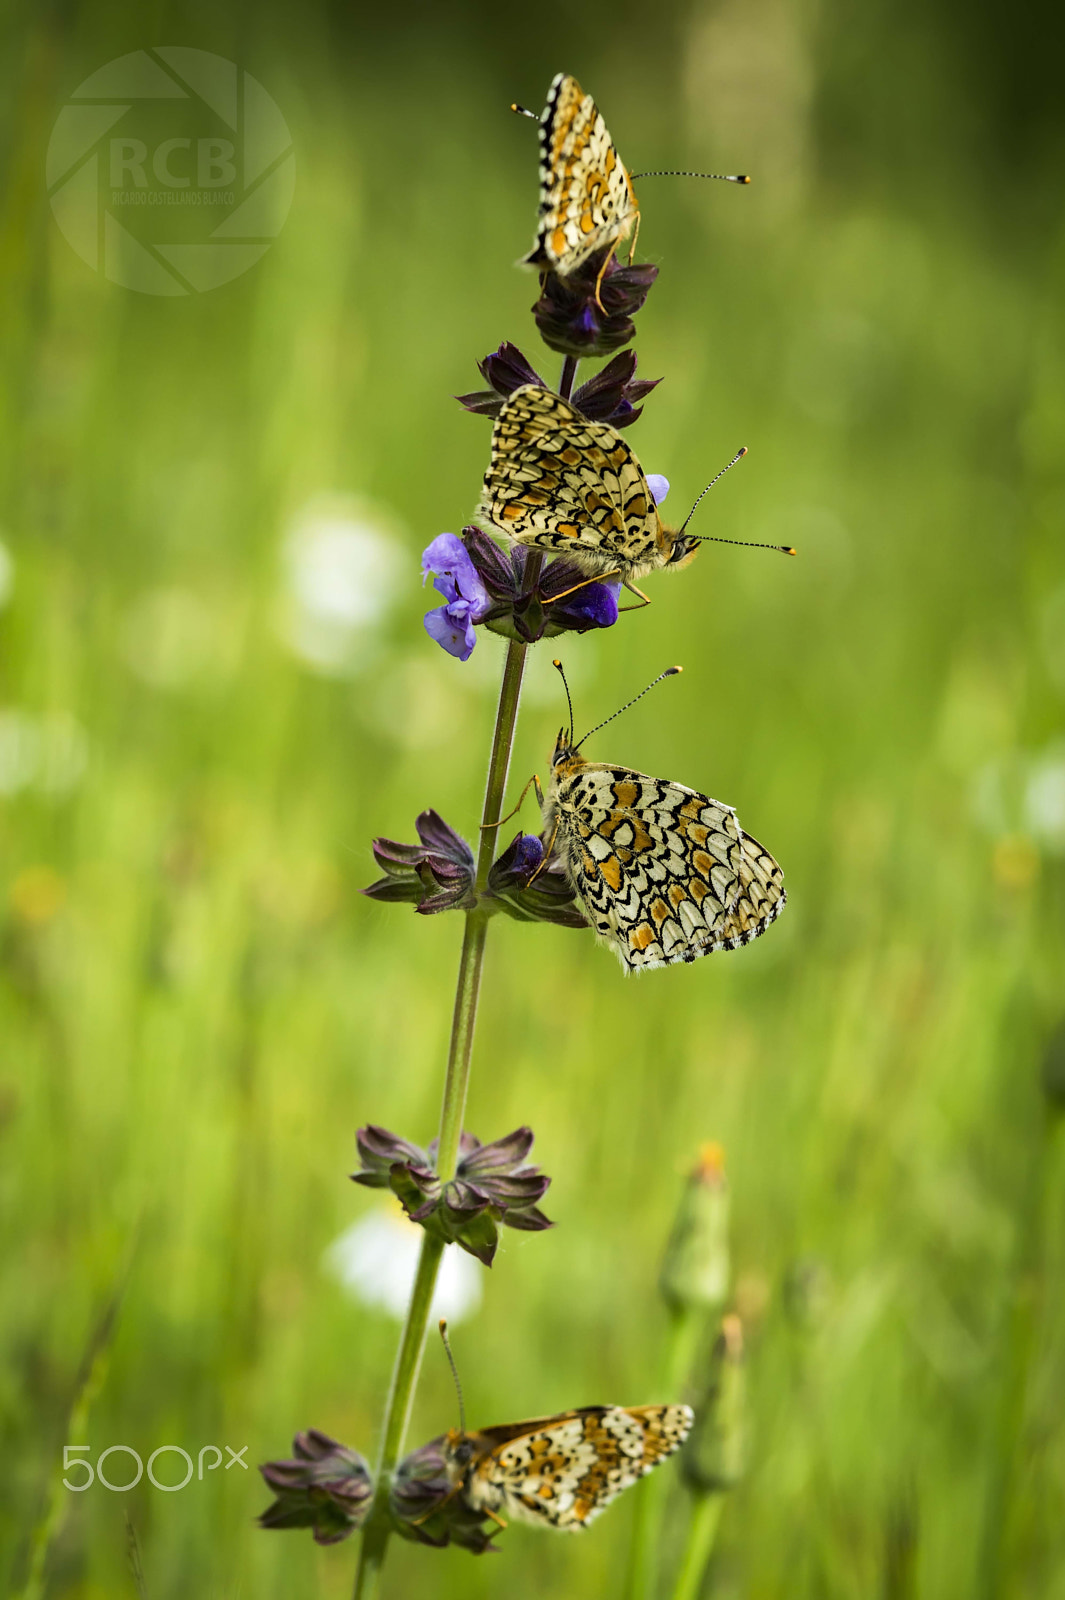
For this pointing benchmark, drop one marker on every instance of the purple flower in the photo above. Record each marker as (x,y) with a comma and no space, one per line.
(658,486)
(532,890)
(592,605)
(530,614)
(457,579)
(575,323)
(326,1487)
(612,395)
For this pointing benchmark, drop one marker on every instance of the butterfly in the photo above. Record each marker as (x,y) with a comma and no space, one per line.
(587,202)
(561,1471)
(559,482)
(664,873)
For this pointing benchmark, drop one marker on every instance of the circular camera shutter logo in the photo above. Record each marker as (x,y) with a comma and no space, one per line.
(170,171)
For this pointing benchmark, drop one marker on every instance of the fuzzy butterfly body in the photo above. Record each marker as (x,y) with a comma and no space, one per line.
(561,1471)
(559,482)
(587,202)
(665,874)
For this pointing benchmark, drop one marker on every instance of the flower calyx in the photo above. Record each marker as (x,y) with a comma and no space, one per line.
(427,1505)
(435,875)
(325,1486)
(492,1187)
(590,311)
(611,395)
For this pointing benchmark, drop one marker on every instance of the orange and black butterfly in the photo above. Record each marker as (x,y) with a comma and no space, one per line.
(561,1471)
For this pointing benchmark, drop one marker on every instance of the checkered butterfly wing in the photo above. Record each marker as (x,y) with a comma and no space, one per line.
(561,1471)
(562,483)
(587,201)
(665,874)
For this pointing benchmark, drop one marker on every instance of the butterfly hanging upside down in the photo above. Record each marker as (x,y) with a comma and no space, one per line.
(664,873)
(559,482)
(561,1471)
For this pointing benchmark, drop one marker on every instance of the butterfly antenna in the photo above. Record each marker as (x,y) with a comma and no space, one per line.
(723,177)
(569,699)
(670,672)
(454,1374)
(523,111)
(710,538)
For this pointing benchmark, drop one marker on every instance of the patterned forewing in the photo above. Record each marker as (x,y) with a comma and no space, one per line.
(566,1469)
(666,874)
(560,482)
(586,197)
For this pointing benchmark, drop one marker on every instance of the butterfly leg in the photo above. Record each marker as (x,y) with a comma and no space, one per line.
(598,577)
(645,599)
(551,846)
(515,809)
(607,259)
(635,236)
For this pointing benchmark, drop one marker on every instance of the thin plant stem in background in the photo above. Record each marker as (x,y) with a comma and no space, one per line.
(702,1532)
(467,993)
(685,1327)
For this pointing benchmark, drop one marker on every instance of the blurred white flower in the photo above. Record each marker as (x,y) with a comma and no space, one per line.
(342,558)
(49,752)
(64,753)
(7,573)
(376,1258)
(1044,799)
(1024,794)
(20,745)
(168,637)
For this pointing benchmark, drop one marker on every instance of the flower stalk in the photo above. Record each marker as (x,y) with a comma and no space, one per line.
(456,1084)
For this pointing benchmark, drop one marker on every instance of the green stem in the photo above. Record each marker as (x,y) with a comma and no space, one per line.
(702,1532)
(467,992)
(684,1329)
(1021,1322)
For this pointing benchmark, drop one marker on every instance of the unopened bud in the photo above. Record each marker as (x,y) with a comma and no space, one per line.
(716,1455)
(695,1270)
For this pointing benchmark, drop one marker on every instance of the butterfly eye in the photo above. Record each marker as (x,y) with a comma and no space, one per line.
(463,1452)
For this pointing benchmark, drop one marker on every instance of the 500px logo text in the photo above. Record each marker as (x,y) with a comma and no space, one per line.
(76,1460)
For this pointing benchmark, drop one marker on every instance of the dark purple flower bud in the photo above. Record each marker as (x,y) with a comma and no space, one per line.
(326,1487)
(457,579)
(500,573)
(573,321)
(612,394)
(513,869)
(506,369)
(436,875)
(427,1505)
(529,890)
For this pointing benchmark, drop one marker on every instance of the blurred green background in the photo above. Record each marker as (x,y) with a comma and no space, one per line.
(215,689)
